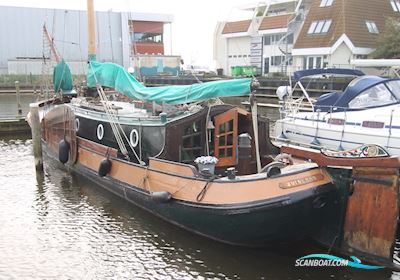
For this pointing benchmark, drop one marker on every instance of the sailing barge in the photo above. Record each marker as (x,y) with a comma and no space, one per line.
(148,157)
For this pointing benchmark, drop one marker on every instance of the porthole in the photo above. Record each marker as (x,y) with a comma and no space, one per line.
(77,124)
(100,131)
(134,138)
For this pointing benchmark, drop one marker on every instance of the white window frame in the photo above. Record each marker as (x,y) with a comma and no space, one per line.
(395,5)
(315,58)
(319,26)
(372,27)
(326,3)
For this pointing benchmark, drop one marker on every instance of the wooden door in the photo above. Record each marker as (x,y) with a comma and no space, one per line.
(226,133)
(372,212)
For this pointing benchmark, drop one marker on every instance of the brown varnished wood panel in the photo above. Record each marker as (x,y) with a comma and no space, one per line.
(372,212)
(187,188)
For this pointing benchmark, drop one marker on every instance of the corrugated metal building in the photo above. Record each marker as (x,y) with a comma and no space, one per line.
(21,37)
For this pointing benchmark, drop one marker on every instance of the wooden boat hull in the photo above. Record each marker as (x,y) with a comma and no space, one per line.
(250,210)
(260,223)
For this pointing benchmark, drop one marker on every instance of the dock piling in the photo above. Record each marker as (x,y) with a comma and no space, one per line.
(18,93)
(36,136)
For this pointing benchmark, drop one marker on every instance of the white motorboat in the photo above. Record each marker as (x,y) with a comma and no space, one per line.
(366,112)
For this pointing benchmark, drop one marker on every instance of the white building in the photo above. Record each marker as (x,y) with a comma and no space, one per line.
(303,34)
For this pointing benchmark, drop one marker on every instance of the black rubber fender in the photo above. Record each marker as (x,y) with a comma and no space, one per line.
(63,151)
(162,197)
(104,167)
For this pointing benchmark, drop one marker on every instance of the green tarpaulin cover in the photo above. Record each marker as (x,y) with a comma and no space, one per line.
(114,76)
(62,78)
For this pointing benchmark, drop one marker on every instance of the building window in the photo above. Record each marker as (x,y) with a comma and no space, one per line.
(361,56)
(319,26)
(326,3)
(147,37)
(273,39)
(279,60)
(313,62)
(395,5)
(372,28)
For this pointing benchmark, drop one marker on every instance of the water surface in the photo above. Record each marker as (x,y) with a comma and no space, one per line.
(58,226)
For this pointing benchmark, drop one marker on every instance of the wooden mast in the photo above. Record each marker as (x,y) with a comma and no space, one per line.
(91,30)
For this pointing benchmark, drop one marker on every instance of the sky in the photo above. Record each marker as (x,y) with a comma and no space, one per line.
(193,27)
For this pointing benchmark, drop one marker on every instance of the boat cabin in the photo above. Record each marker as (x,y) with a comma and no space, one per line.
(362,93)
(215,131)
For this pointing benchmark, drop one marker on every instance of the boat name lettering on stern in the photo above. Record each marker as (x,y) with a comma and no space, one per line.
(301,181)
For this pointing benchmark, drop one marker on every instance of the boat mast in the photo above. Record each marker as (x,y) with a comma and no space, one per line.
(91,31)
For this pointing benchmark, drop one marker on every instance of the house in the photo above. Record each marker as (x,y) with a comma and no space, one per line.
(265,41)
(288,35)
(336,31)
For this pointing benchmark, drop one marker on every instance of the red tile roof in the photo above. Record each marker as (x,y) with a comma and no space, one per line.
(272,22)
(236,26)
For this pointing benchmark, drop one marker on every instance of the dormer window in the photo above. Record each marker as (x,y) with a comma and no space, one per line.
(395,5)
(319,26)
(326,3)
(372,28)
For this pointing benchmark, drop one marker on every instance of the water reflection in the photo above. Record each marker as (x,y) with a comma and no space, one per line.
(56,225)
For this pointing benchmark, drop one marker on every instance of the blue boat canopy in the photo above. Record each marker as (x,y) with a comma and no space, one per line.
(114,76)
(363,92)
(334,71)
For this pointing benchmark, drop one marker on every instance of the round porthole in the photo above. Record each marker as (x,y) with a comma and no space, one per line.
(134,138)
(76,125)
(100,131)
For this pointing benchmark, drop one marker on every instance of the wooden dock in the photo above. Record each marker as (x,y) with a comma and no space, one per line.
(14,125)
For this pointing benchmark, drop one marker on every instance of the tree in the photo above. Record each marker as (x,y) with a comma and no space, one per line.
(389,41)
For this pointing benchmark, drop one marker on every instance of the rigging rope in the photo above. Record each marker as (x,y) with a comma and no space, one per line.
(115,126)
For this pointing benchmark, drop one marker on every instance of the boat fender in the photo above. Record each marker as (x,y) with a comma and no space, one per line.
(63,151)
(105,167)
(162,197)
(273,169)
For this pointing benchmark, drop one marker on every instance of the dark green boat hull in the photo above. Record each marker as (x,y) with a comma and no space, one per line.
(257,224)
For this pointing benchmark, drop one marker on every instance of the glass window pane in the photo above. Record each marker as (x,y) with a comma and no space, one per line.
(376,96)
(312,27)
(318,63)
(221,153)
(187,142)
(221,140)
(229,126)
(394,6)
(310,63)
(394,87)
(229,140)
(326,26)
(222,128)
(229,152)
(319,26)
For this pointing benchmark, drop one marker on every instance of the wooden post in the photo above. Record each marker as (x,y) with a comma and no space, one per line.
(91,30)
(18,98)
(36,135)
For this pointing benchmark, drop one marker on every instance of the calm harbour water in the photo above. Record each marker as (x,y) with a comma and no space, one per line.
(54,225)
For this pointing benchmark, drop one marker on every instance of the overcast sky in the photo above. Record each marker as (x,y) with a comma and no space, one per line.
(194,21)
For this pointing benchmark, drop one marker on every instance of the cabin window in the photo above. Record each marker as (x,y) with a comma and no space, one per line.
(376,96)
(395,5)
(394,87)
(372,28)
(326,3)
(191,142)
